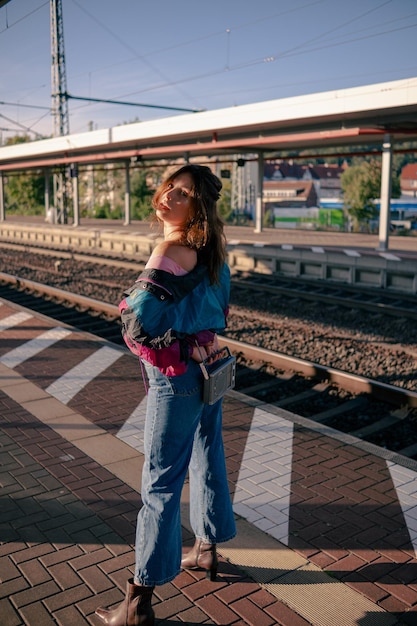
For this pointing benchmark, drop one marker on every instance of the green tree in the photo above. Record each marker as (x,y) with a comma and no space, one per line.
(141,195)
(224,205)
(361,185)
(24,193)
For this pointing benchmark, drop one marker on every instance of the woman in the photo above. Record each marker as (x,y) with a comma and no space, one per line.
(170,318)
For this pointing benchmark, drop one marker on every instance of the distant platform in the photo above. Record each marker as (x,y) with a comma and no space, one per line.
(278,236)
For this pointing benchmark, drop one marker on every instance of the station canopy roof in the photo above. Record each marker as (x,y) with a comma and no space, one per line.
(359,116)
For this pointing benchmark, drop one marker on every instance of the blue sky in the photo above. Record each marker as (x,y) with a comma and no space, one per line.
(195,55)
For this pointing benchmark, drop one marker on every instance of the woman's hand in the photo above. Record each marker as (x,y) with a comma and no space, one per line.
(201,353)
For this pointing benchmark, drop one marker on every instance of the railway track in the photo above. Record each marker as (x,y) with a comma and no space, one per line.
(369,409)
(330,293)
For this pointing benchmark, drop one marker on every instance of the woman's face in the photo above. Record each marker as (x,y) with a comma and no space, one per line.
(175,205)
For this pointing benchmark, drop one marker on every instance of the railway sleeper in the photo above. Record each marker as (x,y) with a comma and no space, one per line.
(316,391)
(348,406)
(382,424)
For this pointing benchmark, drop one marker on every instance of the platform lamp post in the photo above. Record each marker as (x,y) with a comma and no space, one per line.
(237,197)
(259,194)
(75,194)
(127,219)
(386,186)
(2,211)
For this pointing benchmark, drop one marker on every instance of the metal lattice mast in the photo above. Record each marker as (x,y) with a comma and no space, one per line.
(60,113)
(58,76)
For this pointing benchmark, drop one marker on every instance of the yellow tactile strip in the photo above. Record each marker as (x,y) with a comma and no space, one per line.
(317,597)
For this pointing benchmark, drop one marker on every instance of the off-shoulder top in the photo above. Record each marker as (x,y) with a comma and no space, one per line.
(160,262)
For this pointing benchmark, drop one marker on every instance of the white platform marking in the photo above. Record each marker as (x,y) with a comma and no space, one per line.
(33,347)
(132,431)
(14,320)
(263,488)
(389,256)
(405,482)
(71,383)
(351,252)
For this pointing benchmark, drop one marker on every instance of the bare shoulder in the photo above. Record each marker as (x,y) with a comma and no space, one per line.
(185,257)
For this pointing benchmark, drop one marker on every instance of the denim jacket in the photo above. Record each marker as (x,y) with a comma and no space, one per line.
(163,315)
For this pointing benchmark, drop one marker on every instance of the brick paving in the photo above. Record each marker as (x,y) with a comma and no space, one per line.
(67,530)
(344,511)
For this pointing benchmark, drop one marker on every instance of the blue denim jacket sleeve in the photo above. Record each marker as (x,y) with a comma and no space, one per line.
(158,316)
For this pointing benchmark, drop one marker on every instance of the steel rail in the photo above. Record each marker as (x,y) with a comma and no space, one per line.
(84,257)
(350,382)
(316,292)
(66,296)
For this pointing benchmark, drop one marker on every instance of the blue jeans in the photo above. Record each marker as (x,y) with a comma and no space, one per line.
(181,433)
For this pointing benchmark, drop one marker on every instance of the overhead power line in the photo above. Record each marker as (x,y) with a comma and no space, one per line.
(133,104)
(26,106)
(25,128)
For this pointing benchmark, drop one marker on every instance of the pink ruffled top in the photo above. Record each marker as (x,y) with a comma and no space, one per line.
(160,262)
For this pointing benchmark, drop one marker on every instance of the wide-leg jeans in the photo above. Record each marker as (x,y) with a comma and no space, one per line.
(181,433)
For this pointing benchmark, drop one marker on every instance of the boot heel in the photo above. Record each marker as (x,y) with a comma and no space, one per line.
(135,609)
(202,556)
(211,574)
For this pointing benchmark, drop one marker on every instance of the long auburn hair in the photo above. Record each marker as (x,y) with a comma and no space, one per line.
(204,231)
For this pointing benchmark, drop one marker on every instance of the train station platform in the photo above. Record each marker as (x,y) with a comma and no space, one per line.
(327,524)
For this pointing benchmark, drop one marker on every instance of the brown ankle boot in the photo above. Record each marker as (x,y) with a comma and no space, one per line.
(135,610)
(204,556)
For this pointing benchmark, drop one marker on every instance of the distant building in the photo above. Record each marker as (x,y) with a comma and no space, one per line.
(329,180)
(325,178)
(294,193)
(408,180)
(280,170)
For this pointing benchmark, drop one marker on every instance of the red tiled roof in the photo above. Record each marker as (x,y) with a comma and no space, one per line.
(305,192)
(409,171)
(296,171)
